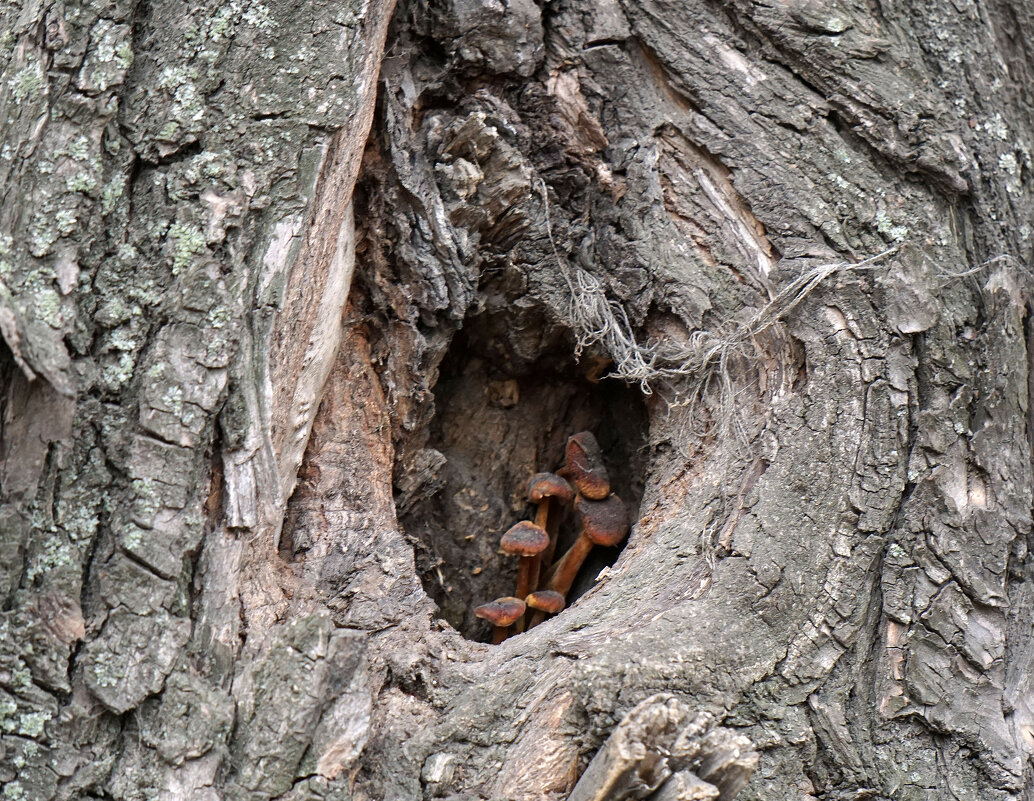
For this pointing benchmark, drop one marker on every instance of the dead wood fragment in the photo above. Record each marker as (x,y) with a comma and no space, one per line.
(686,786)
(633,762)
(721,756)
(658,738)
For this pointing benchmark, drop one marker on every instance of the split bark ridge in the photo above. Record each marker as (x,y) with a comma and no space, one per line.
(283,340)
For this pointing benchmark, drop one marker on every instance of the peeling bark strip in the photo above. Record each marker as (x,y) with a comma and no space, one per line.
(275,358)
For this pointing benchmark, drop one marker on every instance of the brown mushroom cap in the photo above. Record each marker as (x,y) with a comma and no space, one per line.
(549,485)
(501,611)
(546,601)
(583,465)
(604,522)
(525,539)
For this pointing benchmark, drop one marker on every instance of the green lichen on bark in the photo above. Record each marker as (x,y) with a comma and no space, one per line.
(155,150)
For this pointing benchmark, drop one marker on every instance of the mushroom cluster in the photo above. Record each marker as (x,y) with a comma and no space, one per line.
(542,584)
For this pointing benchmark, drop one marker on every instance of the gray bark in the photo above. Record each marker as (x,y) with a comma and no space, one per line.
(294,301)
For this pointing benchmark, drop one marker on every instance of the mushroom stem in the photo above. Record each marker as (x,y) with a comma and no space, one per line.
(542,515)
(563,573)
(527,581)
(566,569)
(536,562)
(527,541)
(499,633)
(524,576)
(554,531)
(525,568)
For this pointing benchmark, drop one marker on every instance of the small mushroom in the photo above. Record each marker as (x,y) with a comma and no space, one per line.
(548,601)
(603,523)
(584,467)
(501,613)
(547,489)
(545,602)
(544,486)
(527,541)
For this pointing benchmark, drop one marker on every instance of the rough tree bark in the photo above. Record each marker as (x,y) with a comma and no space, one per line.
(295,296)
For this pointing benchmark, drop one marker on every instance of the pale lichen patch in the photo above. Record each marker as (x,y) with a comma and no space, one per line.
(188,241)
(27,82)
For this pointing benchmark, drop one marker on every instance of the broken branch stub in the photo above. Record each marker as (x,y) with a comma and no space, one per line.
(686,786)
(720,756)
(657,739)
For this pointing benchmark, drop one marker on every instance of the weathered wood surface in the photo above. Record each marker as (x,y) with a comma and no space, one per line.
(658,746)
(254,457)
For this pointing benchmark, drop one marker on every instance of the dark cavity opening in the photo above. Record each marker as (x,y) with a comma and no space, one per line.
(508,396)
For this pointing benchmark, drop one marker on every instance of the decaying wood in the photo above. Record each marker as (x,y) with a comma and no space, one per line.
(293,302)
(634,760)
(686,786)
(657,746)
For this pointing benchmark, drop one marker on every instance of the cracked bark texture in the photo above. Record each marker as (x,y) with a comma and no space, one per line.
(294,300)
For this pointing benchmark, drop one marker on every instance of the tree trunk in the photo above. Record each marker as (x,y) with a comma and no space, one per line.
(285,340)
